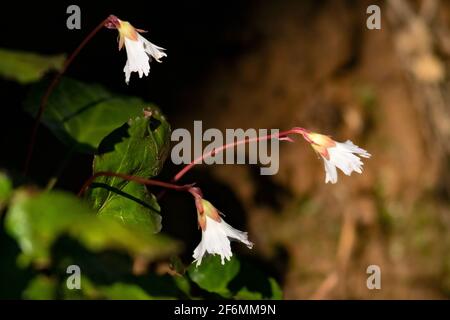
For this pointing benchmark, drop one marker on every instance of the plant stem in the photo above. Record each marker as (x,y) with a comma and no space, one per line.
(50,89)
(284,135)
(134,179)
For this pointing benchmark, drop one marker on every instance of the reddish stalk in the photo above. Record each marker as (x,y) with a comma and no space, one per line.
(134,179)
(50,89)
(284,135)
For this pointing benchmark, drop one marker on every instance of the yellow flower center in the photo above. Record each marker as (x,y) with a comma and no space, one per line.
(127,30)
(321,140)
(208,210)
(320,143)
(323,151)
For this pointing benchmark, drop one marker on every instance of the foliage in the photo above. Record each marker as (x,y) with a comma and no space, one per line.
(26,67)
(36,221)
(137,148)
(81,114)
(233,279)
(5,188)
(116,227)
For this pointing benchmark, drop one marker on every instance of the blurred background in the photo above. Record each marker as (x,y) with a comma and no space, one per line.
(279,64)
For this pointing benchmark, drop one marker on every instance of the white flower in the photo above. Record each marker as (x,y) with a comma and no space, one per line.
(138,53)
(216,235)
(139,50)
(345,156)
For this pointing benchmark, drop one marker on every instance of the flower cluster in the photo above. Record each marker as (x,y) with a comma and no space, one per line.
(216,233)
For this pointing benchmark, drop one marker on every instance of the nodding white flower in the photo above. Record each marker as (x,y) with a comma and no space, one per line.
(345,156)
(139,50)
(216,234)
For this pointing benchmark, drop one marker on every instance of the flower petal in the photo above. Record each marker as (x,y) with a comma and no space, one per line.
(216,240)
(330,171)
(153,50)
(355,149)
(237,235)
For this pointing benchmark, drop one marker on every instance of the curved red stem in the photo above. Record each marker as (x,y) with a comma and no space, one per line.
(279,135)
(134,179)
(50,89)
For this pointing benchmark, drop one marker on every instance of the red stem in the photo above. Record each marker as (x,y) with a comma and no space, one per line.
(134,179)
(50,89)
(280,135)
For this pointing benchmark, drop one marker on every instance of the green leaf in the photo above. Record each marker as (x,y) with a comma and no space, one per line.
(277,293)
(214,277)
(36,221)
(81,114)
(129,288)
(253,284)
(5,189)
(183,284)
(124,291)
(274,292)
(135,207)
(138,148)
(246,294)
(41,288)
(26,67)
(88,290)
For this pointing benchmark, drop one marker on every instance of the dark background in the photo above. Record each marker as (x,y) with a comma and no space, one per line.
(197,35)
(279,64)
